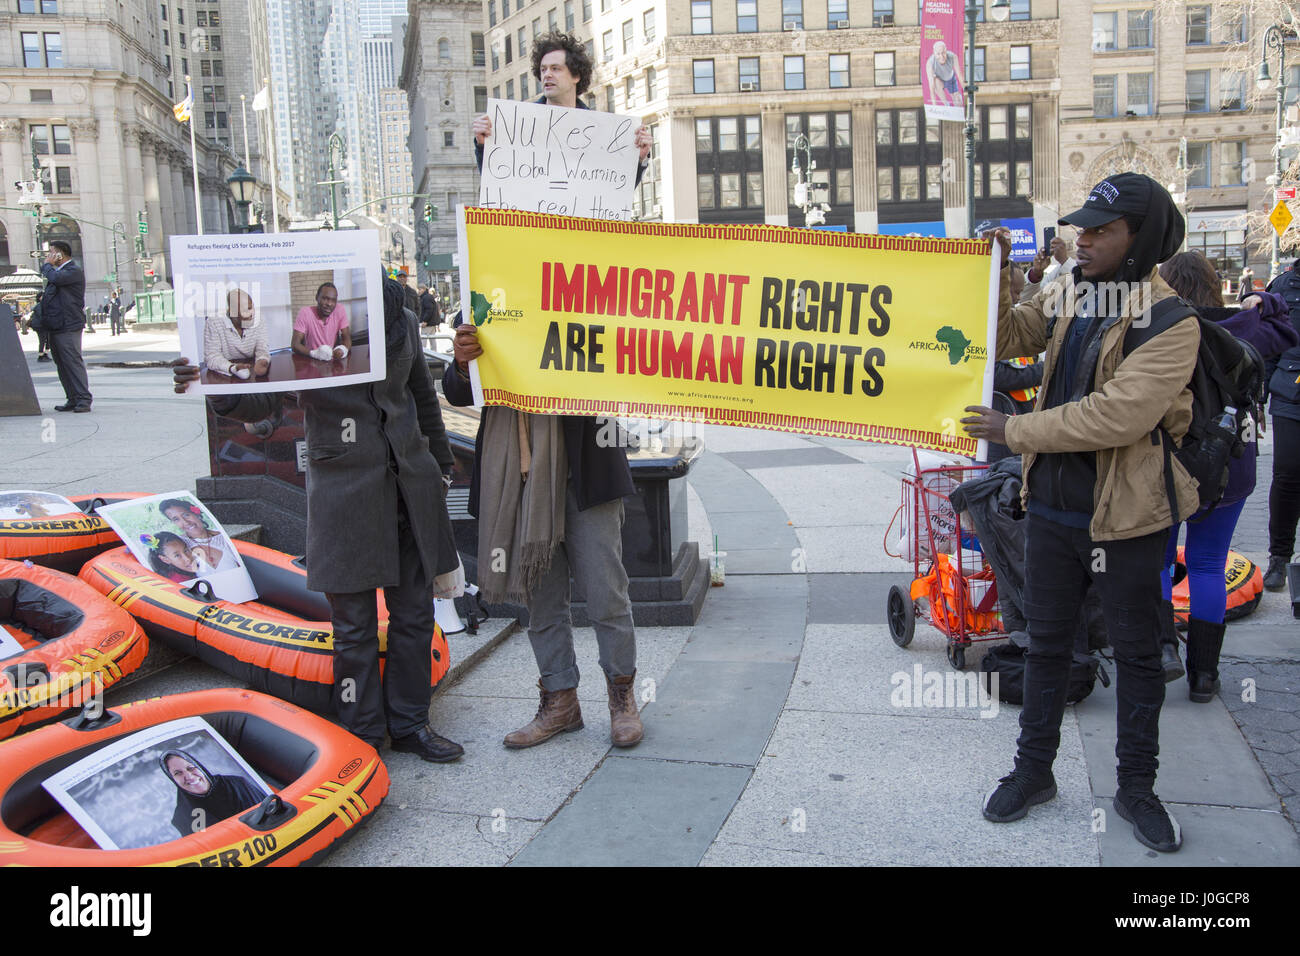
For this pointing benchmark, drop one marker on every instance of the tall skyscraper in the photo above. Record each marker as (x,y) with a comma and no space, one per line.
(315,67)
(442,74)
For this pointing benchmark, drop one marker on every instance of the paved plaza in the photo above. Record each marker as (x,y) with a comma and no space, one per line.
(774,731)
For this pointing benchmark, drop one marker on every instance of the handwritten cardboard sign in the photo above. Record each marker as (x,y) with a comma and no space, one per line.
(557,161)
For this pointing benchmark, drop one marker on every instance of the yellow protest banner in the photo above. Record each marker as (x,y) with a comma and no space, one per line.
(876,338)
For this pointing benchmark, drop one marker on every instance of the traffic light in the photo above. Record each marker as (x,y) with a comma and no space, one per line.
(428,212)
(149,278)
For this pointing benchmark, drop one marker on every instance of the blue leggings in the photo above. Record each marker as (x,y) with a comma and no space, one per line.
(1205,555)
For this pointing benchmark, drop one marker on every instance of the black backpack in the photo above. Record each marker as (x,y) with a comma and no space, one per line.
(1229,373)
(1008,662)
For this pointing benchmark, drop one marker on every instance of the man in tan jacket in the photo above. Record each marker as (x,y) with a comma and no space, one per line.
(1094,459)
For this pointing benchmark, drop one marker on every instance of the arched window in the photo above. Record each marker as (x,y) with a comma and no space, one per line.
(67,230)
(444,49)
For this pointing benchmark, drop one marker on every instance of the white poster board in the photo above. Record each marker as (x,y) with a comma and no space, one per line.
(561,162)
(9,646)
(272,284)
(176,537)
(157,785)
(36,505)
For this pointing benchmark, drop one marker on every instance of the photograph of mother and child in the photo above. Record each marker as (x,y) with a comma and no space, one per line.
(177,538)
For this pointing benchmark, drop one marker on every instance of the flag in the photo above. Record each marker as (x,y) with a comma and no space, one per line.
(263,98)
(183,109)
(943,84)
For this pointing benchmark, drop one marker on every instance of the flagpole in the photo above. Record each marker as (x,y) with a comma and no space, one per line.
(194,159)
(243,108)
(270,141)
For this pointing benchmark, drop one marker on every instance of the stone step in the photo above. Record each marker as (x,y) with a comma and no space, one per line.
(252,533)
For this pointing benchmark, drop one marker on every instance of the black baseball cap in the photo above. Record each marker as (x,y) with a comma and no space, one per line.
(1113,197)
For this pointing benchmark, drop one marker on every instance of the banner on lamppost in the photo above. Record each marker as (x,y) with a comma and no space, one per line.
(943,71)
(845,335)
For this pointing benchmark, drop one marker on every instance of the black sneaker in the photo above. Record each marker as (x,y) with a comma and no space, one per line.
(1275,576)
(1016,793)
(1153,825)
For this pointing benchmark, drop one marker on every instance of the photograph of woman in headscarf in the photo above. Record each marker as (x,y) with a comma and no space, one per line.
(204,798)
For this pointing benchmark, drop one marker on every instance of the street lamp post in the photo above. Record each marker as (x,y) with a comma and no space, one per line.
(117,227)
(999,11)
(814,210)
(1275,39)
(242,185)
(333,182)
(39,190)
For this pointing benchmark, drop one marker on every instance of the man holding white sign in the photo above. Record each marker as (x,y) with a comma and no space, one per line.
(560,168)
(566,485)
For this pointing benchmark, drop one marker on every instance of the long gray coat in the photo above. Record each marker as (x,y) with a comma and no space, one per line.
(397,442)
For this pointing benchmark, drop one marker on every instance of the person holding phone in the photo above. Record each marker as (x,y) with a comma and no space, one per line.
(1054,260)
(63,317)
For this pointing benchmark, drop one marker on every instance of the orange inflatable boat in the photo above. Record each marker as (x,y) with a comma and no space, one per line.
(75,644)
(282,644)
(1245,584)
(63,542)
(325,783)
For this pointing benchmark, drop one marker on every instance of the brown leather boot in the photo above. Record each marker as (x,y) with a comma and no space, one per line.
(558,713)
(624,722)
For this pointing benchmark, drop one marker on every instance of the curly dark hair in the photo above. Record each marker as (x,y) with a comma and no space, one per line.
(575,56)
(1194,278)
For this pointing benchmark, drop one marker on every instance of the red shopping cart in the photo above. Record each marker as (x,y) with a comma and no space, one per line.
(951,583)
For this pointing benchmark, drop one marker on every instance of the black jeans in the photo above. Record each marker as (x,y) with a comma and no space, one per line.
(1284,492)
(1059,563)
(364,703)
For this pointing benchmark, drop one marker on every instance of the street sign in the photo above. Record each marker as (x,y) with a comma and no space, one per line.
(1280,217)
(1283,193)
(51,220)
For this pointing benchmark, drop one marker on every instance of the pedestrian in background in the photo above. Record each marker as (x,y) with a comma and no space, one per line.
(116,325)
(430,314)
(1264,322)
(63,315)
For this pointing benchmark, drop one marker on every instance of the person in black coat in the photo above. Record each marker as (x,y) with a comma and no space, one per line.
(430,314)
(63,316)
(377,454)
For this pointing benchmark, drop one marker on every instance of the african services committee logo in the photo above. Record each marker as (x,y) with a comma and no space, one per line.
(483,310)
(952,343)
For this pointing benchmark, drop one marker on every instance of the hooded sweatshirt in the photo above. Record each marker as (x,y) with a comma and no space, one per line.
(1061,484)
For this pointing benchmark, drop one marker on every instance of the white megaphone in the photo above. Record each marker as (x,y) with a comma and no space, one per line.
(444,612)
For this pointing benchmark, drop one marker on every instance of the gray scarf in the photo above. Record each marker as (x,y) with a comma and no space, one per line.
(522,480)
